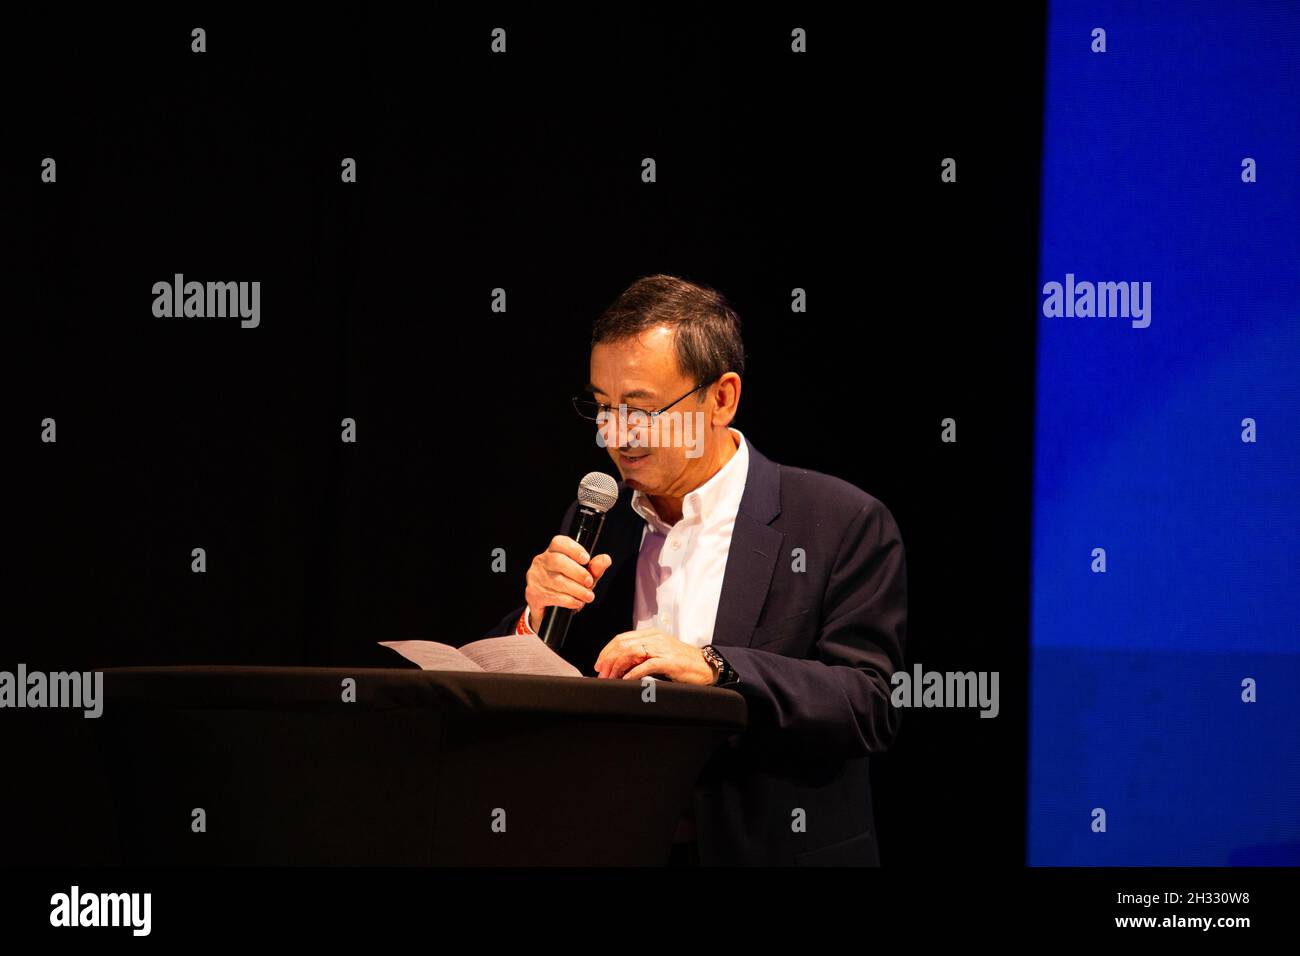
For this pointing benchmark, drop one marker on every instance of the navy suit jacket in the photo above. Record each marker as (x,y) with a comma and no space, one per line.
(812,616)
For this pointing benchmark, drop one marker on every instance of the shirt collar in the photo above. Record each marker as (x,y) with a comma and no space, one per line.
(719,497)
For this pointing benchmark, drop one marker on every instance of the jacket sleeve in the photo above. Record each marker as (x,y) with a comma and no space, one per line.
(838,703)
(507,624)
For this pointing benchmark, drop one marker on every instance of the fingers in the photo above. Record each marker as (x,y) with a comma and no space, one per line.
(561,566)
(625,651)
(545,589)
(563,544)
(650,667)
(617,665)
(559,573)
(557,578)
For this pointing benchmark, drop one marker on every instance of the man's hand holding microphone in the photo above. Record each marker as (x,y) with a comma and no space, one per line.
(563,575)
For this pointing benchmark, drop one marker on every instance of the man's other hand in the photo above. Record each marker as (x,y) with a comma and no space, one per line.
(650,652)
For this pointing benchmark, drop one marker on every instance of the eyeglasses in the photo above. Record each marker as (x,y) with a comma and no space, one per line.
(598,411)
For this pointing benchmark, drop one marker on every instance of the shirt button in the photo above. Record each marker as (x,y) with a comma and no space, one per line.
(676,545)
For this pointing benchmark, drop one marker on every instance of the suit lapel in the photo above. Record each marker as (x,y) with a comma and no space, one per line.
(751,560)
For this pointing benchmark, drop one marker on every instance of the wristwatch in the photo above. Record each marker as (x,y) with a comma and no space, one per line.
(723,673)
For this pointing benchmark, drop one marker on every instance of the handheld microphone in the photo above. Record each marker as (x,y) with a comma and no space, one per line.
(597,493)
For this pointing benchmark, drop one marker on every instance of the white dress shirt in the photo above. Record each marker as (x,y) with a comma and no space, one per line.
(679,568)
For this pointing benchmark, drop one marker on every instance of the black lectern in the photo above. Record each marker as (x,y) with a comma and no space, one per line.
(222,765)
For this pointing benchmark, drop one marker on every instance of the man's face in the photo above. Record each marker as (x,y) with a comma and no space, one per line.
(642,372)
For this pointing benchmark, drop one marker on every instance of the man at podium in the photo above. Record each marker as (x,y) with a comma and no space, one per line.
(719,566)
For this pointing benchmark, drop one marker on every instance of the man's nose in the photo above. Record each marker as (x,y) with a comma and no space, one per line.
(624,433)
(613,432)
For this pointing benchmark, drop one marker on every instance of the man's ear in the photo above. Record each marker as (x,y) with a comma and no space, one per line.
(728,388)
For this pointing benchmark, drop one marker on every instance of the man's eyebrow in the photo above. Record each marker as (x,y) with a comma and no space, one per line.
(635,393)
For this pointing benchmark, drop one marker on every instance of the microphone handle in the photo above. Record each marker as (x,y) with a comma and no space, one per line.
(587,523)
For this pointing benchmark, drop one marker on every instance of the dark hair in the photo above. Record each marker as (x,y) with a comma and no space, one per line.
(706,330)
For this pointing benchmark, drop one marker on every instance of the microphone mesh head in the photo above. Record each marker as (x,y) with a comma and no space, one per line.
(598,491)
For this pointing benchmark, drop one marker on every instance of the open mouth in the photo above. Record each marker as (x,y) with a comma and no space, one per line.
(632,461)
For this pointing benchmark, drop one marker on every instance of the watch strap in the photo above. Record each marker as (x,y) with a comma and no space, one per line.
(723,672)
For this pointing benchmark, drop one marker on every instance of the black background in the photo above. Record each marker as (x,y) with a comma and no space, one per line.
(521,171)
